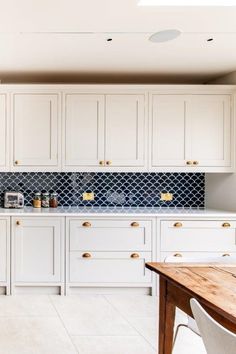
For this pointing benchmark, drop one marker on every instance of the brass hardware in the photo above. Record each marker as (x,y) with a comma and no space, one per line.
(178,224)
(86,224)
(108,163)
(134,255)
(18,222)
(134,224)
(101,163)
(178,255)
(226,255)
(226,224)
(195,163)
(189,163)
(86,255)
(17,162)
(167,197)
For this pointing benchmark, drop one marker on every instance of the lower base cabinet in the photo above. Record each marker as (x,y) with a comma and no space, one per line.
(109,253)
(37,252)
(5,256)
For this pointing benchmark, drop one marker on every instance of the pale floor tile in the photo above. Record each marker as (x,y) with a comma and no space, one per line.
(134,305)
(34,335)
(26,305)
(146,327)
(113,345)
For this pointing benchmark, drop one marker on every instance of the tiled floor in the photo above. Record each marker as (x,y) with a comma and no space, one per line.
(85,324)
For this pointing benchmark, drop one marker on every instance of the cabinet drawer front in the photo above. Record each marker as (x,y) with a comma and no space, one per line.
(196,255)
(110,235)
(206,236)
(109,267)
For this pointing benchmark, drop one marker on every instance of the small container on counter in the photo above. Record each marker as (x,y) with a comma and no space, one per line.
(45,200)
(53,200)
(37,201)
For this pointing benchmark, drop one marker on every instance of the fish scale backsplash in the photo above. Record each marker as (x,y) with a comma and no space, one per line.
(110,189)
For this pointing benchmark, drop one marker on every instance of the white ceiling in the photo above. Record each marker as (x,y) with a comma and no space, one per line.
(188,58)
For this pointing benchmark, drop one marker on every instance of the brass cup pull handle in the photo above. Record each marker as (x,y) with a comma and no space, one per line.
(226,224)
(134,224)
(18,222)
(226,255)
(178,255)
(86,255)
(134,255)
(189,163)
(17,162)
(108,163)
(86,224)
(178,224)
(195,163)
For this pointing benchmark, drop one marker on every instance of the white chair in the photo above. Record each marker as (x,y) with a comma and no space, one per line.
(178,258)
(216,338)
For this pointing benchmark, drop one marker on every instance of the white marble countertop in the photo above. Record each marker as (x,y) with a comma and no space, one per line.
(88,211)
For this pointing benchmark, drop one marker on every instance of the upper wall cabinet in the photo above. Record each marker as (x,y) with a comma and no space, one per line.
(36,127)
(4,136)
(191,133)
(104,132)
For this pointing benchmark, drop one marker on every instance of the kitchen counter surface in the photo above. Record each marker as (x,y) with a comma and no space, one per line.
(88,211)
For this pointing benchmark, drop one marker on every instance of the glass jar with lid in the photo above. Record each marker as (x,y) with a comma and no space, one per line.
(37,201)
(45,200)
(53,200)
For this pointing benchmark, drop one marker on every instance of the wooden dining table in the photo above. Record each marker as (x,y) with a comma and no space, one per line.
(213,285)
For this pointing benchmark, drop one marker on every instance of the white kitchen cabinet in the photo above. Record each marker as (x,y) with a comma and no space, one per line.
(198,236)
(83,130)
(104,132)
(36,132)
(5,255)
(191,133)
(37,250)
(4,134)
(125,130)
(109,252)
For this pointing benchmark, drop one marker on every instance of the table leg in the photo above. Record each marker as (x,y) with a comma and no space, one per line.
(166,320)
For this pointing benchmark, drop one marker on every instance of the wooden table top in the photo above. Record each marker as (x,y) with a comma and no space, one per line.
(212,284)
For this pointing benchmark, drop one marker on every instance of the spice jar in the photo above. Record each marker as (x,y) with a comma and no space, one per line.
(37,200)
(45,200)
(53,200)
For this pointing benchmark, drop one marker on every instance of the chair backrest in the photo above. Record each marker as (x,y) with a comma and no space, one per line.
(201,259)
(216,338)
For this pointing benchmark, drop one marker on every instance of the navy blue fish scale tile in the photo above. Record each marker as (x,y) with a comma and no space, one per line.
(111,189)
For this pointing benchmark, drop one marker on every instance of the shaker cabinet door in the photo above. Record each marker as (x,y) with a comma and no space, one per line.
(35,131)
(83,130)
(4,249)
(4,148)
(37,249)
(125,130)
(208,139)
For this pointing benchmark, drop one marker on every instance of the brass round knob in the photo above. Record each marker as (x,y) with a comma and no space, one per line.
(195,163)
(101,163)
(134,224)
(18,222)
(86,255)
(226,224)
(178,255)
(189,163)
(17,162)
(178,224)
(86,224)
(226,255)
(134,255)
(108,163)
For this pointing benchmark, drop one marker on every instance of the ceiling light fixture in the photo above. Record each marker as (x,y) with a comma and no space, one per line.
(164,36)
(210,39)
(109,39)
(187,2)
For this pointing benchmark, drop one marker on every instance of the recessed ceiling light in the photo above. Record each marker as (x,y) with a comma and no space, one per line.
(187,2)
(164,36)
(109,39)
(210,39)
